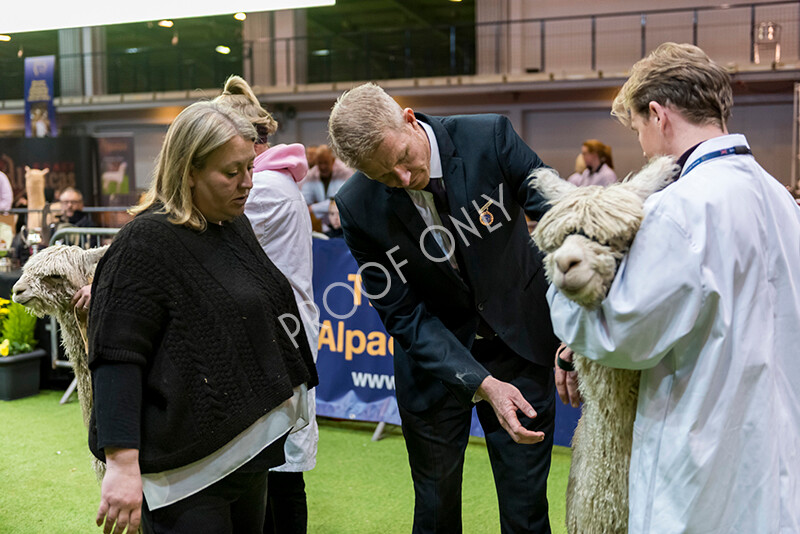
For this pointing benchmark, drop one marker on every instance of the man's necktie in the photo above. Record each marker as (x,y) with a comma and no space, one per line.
(436,188)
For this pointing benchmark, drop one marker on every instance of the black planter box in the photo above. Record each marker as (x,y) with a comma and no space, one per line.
(19,375)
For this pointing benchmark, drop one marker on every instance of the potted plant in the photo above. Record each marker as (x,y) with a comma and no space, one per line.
(19,362)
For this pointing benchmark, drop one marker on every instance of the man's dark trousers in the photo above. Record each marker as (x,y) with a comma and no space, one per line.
(437,438)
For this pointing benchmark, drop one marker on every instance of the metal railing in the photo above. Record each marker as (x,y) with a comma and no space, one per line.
(614,41)
(596,43)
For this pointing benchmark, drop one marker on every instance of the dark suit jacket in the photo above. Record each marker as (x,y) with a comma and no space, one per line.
(425,305)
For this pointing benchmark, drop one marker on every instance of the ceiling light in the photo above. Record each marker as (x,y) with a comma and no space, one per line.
(5,38)
(222,49)
(240,16)
(16,16)
(166,23)
(323,52)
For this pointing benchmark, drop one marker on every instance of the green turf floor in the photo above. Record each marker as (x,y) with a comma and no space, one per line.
(359,486)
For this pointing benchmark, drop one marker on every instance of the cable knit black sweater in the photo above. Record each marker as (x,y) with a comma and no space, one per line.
(198,313)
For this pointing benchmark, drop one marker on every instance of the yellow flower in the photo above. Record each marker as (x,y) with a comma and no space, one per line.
(4,347)
(3,301)
(3,311)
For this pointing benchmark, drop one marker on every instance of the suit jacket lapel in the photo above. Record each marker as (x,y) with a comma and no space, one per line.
(414,224)
(455,179)
(453,174)
(405,210)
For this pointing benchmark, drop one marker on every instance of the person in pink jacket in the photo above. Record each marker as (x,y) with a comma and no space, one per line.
(279,216)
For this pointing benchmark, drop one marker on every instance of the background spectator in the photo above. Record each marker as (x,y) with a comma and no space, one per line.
(599,165)
(323,181)
(71,201)
(6,192)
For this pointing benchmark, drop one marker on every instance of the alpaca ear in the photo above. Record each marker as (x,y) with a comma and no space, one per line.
(93,255)
(551,186)
(655,176)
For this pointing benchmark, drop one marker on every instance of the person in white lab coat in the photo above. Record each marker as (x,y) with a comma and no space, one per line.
(707,305)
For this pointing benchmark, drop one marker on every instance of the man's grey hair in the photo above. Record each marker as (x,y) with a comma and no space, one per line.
(359,121)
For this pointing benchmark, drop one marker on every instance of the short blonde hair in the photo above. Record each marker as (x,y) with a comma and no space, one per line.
(359,121)
(681,76)
(238,94)
(195,133)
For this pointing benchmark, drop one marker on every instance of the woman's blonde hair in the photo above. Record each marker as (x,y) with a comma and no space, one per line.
(359,122)
(238,94)
(195,133)
(603,151)
(678,75)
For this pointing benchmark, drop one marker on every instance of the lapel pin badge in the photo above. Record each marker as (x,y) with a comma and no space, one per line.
(485,216)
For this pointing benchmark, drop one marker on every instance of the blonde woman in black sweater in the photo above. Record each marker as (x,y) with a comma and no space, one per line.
(196,381)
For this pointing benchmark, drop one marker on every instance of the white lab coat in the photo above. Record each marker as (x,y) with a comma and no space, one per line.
(279,216)
(707,305)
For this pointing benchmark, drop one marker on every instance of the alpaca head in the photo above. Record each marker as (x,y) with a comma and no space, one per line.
(588,229)
(51,277)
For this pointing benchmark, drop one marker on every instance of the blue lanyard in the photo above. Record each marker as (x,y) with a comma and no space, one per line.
(739,149)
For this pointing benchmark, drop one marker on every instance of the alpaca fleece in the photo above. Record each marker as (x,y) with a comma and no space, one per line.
(585,234)
(49,280)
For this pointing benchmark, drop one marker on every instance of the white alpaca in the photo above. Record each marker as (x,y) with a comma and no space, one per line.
(114,176)
(585,234)
(49,280)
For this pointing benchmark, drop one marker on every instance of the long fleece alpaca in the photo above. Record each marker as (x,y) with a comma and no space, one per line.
(585,234)
(48,282)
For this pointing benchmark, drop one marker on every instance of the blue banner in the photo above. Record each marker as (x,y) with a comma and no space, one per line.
(40,114)
(355,352)
(355,367)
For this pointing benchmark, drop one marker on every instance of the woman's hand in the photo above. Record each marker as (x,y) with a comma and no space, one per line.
(121,493)
(82,298)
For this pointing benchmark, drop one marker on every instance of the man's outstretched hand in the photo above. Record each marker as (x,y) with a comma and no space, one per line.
(506,400)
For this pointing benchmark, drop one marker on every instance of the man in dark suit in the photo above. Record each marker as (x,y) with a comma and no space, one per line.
(435,219)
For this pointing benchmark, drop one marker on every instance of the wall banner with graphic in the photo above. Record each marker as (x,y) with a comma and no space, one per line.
(40,114)
(115,167)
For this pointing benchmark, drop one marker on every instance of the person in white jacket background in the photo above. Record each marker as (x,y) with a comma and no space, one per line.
(6,192)
(278,213)
(707,305)
(599,165)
